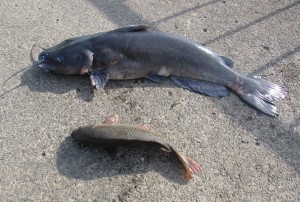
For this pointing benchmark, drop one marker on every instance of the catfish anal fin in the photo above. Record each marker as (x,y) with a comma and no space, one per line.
(206,88)
(156,78)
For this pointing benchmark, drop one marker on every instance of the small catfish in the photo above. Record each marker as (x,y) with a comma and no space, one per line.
(110,136)
(136,52)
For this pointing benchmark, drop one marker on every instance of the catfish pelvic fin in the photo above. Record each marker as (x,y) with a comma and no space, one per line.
(156,78)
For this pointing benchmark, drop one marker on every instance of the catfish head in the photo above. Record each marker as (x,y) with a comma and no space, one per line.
(68,57)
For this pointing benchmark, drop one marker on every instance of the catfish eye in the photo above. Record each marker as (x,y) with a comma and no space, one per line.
(43,56)
(58,60)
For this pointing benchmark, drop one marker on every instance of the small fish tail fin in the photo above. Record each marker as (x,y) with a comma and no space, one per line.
(259,93)
(190,166)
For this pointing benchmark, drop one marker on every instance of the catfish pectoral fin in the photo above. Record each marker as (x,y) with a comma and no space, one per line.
(98,78)
(206,88)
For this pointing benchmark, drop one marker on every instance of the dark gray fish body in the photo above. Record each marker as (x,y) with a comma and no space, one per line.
(163,54)
(134,52)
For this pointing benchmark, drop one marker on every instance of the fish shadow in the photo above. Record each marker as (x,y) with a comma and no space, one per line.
(88,163)
(38,80)
(281,137)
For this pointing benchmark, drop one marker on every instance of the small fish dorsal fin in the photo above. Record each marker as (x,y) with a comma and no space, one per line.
(111,119)
(132,28)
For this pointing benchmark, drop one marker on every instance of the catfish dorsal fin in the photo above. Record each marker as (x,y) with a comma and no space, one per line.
(132,28)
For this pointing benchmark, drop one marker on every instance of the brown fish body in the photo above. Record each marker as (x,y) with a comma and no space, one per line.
(126,135)
(106,135)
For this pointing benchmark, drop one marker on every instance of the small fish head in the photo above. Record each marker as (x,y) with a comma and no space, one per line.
(74,134)
(80,134)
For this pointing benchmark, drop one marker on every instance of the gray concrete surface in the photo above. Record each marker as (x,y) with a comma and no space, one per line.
(245,155)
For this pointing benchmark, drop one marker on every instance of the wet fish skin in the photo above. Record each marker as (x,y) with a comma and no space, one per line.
(136,52)
(111,136)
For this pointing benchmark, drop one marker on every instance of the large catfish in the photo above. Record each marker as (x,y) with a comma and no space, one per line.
(136,52)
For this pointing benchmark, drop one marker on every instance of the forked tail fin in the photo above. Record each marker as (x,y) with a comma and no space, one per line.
(259,93)
(190,166)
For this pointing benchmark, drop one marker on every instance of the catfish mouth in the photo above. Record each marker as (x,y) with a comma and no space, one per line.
(63,65)
(43,62)
(44,65)
(49,66)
